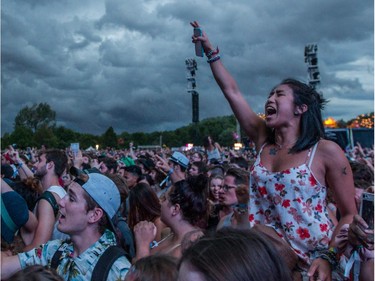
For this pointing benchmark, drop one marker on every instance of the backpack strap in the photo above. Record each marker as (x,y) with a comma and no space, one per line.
(126,238)
(55,261)
(105,262)
(47,195)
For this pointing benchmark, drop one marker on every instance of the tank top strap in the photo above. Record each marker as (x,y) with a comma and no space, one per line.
(312,154)
(261,149)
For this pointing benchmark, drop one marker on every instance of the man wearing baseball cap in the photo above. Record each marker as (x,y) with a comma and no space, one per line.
(175,166)
(86,211)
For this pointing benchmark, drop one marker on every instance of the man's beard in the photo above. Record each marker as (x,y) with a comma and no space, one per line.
(40,173)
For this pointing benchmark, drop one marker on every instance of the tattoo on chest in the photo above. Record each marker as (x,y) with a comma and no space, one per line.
(273,151)
(344,171)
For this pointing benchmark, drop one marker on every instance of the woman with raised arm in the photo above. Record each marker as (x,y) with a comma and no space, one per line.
(294,167)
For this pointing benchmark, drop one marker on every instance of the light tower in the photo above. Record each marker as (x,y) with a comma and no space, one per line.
(311,58)
(191,67)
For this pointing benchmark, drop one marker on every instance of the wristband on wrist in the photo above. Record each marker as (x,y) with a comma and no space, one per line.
(213,59)
(213,52)
(329,255)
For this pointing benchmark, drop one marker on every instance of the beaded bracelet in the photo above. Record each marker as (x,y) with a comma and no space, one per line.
(213,52)
(330,256)
(215,58)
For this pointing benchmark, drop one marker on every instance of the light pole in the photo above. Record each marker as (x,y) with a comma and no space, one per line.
(191,67)
(311,58)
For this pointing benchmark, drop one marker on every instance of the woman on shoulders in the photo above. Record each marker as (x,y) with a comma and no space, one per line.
(294,165)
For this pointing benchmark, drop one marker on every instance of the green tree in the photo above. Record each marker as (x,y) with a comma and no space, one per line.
(5,141)
(109,138)
(65,136)
(139,138)
(45,136)
(87,140)
(23,137)
(35,117)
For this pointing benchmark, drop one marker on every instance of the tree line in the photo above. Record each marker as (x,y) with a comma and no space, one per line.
(35,126)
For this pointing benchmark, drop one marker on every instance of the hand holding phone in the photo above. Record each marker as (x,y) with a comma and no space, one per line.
(74,147)
(198,45)
(367,213)
(367,209)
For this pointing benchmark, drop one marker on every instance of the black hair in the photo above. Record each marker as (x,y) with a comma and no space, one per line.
(58,157)
(110,163)
(311,126)
(191,194)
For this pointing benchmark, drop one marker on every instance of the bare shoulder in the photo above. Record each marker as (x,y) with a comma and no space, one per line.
(330,149)
(44,210)
(333,158)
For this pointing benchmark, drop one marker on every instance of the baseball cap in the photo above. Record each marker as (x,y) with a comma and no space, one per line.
(14,214)
(104,192)
(180,159)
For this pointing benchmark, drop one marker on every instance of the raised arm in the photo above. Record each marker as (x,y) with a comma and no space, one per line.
(23,170)
(252,124)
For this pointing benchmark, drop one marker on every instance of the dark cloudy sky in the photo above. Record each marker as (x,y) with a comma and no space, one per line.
(121,63)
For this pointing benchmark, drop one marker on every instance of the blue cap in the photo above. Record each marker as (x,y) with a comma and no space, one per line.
(105,193)
(180,159)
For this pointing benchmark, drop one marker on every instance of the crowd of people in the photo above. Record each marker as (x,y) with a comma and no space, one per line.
(287,209)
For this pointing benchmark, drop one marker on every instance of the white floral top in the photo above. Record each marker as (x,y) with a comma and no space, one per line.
(79,268)
(292,202)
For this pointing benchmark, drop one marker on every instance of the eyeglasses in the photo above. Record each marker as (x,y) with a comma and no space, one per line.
(65,177)
(227,187)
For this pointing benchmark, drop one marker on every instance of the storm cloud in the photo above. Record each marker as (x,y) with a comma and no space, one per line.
(122,63)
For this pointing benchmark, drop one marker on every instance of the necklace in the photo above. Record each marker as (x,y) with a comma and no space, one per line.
(288,145)
(279,147)
(155,244)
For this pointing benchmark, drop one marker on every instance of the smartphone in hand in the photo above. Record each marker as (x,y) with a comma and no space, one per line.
(198,45)
(367,212)
(74,147)
(367,209)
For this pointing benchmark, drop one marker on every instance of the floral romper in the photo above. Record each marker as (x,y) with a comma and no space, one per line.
(292,202)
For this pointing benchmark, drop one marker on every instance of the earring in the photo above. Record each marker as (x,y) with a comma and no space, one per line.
(296,113)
